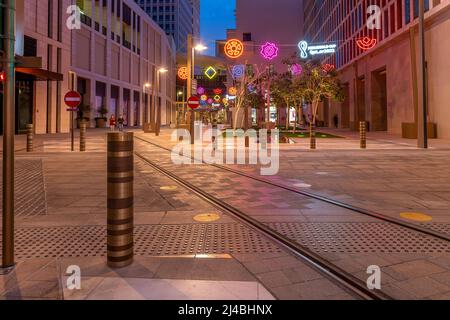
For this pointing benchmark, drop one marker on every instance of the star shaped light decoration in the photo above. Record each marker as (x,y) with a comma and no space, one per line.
(269,51)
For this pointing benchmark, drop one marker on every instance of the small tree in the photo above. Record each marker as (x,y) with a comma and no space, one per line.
(243,93)
(317,83)
(281,92)
(102,112)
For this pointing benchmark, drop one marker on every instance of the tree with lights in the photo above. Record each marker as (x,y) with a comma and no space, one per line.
(318,82)
(247,95)
(281,92)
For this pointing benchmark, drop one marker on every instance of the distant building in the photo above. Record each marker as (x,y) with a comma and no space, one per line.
(257,22)
(381,82)
(115,53)
(177,18)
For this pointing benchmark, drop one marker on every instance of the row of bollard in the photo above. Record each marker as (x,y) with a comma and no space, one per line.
(30,137)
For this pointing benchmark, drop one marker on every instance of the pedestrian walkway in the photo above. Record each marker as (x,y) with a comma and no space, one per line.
(184,247)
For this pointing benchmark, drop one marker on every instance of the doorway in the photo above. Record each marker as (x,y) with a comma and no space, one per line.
(360,112)
(345,108)
(24,105)
(379,101)
(23,108)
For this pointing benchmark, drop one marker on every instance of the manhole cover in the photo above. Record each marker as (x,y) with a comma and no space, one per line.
(168,188)
(207,217)
(416,216)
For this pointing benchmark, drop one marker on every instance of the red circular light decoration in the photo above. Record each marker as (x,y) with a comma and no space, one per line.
(328,67)
(366,43)
(217,91)
(234,48)
(183,73)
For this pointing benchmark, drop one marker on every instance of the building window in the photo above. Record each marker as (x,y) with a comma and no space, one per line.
(247,37)
(29,47)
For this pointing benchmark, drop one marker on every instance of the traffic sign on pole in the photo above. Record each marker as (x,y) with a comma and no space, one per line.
(193,103)
(72,99)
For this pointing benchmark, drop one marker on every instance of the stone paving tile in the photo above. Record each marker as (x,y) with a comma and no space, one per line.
(301,274)
(423,287)
(444,296)
(30,193)
(312,290)
(314,168)
(274,279)
(413,269)
(34,290)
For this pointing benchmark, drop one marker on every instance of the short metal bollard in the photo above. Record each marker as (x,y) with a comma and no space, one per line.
(30,133)
(362,135)
(312,138)
(120,199)
(83,129)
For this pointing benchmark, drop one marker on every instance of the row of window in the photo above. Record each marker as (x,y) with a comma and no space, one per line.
(344,22)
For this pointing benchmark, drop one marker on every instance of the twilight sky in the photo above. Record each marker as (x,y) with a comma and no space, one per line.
(216,17)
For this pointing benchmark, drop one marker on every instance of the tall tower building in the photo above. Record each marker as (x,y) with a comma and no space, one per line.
(177,17)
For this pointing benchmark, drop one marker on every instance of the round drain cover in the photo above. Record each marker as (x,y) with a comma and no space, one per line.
(169,188)
(416,216)
(302,185)
(207,217)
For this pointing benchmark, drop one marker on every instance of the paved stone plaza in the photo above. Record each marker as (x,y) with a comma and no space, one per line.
(182,254)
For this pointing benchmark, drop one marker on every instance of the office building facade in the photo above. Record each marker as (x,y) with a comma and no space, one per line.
(115,54)
(379,62)
(177,17)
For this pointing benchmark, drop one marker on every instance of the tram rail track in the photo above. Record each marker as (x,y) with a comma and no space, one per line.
(334,273)
(366,212)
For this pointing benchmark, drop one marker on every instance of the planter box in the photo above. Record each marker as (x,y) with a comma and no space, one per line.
(100,123)
(409,130)
(148,128)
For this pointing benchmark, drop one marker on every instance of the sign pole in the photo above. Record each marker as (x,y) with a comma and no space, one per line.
(8,138)
(72,133)
(72,100)
(422,123)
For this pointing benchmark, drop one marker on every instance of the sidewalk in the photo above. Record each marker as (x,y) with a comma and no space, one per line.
(184,248)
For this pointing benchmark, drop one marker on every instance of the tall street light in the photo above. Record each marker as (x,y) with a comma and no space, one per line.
(422,119)
(158,117)
(8,136)
(146,86)
(191,76)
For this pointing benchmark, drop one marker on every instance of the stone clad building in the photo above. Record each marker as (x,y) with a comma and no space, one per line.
(115,55)
(381,83)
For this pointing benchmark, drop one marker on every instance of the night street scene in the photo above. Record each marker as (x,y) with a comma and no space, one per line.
(227,158)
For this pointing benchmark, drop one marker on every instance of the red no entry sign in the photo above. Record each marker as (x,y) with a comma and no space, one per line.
(72,99)
(193,102)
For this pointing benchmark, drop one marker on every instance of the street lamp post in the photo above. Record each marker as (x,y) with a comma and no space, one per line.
(8,137)
(158,116)
(422,119)
(191,76)
(146,86)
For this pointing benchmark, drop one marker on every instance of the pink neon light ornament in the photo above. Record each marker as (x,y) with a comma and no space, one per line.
(296,69)
(269,51)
